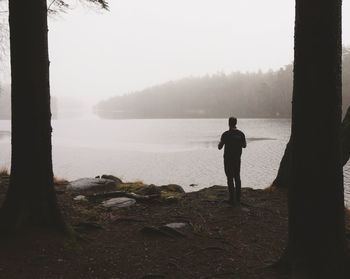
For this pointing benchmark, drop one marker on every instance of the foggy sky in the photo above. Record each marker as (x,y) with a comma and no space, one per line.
(139,43)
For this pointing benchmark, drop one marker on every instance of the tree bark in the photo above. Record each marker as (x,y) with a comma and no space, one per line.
(316,242)
(31,197)
(283,178)
(345,138)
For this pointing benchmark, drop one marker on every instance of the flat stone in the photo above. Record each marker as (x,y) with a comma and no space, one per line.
(84,184)
(80,198)
(176,225)
(162,231)
(171,199)
(118,202)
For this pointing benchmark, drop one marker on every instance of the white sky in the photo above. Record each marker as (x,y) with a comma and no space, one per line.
(95,55)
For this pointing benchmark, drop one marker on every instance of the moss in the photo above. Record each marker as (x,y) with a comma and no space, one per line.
(167,194)
(91,214)
(130,186)
(71,240)
(212,197)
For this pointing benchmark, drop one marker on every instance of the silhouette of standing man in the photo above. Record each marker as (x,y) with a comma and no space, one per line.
(233,140)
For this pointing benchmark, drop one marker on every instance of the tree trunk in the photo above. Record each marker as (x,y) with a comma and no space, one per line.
(283,177)
(345,138)
(31,197)
(316,243)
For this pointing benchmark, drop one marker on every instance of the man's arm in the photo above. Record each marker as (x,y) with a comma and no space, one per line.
(244,142)
(221,143)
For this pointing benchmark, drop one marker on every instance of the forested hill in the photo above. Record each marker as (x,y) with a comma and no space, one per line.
(249,95)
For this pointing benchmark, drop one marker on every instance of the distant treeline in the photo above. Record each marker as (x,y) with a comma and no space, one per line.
(249,95)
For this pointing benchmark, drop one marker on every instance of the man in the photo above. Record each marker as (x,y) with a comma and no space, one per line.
(233,140)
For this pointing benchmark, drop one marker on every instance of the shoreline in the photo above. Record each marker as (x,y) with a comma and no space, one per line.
(216,240)
(191,235)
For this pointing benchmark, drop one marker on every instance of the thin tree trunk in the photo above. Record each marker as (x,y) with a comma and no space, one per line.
(31,198)
(316,243)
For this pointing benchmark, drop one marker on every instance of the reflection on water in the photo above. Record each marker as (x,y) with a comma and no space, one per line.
(182,151)
(214,143)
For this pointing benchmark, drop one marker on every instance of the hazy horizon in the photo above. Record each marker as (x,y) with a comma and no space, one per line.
(99,54)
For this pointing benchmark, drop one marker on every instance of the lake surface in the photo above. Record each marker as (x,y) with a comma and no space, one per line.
(162,151)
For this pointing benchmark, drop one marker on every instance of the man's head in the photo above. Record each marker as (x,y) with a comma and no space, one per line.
(232,122)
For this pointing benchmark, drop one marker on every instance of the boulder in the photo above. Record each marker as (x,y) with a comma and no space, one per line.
(172,188)
(149,190)
(112,177)
(118,202)
(91,184)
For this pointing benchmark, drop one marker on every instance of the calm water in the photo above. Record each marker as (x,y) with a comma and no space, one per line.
(181,151)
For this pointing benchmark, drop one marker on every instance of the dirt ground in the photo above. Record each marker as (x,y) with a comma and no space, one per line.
(218,240)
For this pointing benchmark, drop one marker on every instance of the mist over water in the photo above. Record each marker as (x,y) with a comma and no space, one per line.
(163,151)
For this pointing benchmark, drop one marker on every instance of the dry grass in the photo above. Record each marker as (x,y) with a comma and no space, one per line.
(4,171)
(131,186)
(270,188)
(59,181)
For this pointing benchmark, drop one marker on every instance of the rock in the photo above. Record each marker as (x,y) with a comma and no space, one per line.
(193,185)
(112,177)
(85,184)
(176,225)
(153,231)
(149,190)
(171,199)
(80,198)
(172,188)
(118,202)
(172,231)
(162,231)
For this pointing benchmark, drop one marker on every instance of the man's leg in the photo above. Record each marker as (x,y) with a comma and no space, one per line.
(230,184)
(231,189)
(237,177)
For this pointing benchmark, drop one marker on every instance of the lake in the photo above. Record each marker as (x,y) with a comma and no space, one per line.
(162,151)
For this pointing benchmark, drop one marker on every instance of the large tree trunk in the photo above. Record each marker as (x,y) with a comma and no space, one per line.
(345,138)
(316,242)
(283,177)
(31,197)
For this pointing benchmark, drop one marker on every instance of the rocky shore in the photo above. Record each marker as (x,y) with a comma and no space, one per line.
(132,230)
